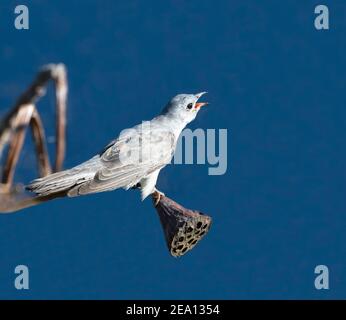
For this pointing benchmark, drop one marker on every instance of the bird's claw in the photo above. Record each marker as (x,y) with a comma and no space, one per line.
(157,196)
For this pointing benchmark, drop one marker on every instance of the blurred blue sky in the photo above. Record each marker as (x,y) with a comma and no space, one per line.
(274,82)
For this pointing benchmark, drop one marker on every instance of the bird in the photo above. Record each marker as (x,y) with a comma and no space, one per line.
(131,161)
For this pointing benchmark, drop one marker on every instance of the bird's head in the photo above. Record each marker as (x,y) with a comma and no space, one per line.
(184,106)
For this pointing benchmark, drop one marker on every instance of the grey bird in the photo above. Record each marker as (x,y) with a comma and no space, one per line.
(133,160)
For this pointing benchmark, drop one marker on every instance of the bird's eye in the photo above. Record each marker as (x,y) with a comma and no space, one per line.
(189,106)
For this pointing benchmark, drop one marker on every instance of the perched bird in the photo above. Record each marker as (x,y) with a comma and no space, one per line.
(133,160)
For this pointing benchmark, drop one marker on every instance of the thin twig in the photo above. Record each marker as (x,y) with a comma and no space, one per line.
(44,167)
(61,96)
(21,122)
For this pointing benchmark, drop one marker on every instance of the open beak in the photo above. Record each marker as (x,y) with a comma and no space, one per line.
(200,104)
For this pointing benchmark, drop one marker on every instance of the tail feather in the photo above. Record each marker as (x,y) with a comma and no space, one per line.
(64,180)
(55,183)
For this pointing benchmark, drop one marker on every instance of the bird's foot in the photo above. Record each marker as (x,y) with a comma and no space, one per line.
(157,196)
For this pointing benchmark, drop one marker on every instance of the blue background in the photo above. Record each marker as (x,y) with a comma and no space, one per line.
(274,81)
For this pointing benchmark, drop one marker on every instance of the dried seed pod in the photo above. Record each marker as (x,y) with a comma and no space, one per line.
(183,228)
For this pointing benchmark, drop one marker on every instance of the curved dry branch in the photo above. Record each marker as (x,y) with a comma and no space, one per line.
(13,126)
(20,122)
(38,134)
(57,73)
(61,96)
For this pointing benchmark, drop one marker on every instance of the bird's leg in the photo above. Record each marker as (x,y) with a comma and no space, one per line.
(157,196)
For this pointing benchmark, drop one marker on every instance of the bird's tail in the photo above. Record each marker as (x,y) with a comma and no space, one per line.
(53,183)
(64,180)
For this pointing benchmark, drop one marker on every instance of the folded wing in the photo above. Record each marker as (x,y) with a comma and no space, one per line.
(134,155)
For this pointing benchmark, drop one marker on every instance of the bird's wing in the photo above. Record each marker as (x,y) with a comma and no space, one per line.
(131,157)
